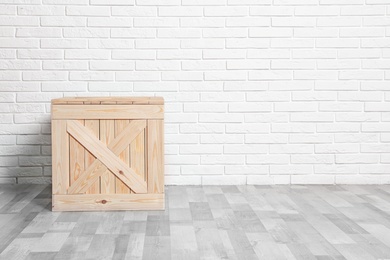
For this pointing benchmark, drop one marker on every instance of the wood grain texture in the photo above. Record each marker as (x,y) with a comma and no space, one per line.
(93,126)
(60,158)
(109,159)
(76,158)
(105,202)
(155,156)
(121,188)
(107,112)
(137,154)
(107,134)
(200,222)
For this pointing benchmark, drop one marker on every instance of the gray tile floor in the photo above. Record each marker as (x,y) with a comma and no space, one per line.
(209,222)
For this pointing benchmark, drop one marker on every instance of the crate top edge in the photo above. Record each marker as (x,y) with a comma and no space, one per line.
(108,101)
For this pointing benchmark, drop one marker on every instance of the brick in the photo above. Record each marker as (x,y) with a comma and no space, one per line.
(88,10)
(63,21)
(314,96)
(156,22)
(64,86)
(339,21)
(137,76)
(222,159)
(110,22)
(32,10)
(252,169)
(39,32)
(133,55)
(357,117)
(270,75)
(19,21)
(91,76)
(336,169)
(245,148)
(293,128)
(224,33)
(134,11)
(178,33)
(312,159)
(329,85)
(202,169)
(247,21)
(87,54)
(197,22)
(266,139)
(268,159)
(291,169)
(356,138)
(227,11)
(86,33)
(181,76)
(356,158)
(225,75)
(205,107)
(293,22)
(110,44)
(45,75)
(312,179)
(64,44)
(337,127)
(197,86)
(336,148)
(271,32)
(310,138)
(220,118)
(64,65)
(318,32)
(19,43)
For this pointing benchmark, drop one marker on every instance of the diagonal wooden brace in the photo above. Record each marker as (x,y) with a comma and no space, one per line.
(107,156)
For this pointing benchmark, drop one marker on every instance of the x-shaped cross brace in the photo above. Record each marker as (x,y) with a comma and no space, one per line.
(106,157)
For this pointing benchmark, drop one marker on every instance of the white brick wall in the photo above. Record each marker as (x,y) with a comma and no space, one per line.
(257,92)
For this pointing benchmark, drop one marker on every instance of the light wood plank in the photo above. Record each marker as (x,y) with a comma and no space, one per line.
(107,134)
(107,112)
(76,158)
(137,154)
(121,188)
(95,202)
(155,156)
(102,153)
(60,158)
(92,125)
(121,142)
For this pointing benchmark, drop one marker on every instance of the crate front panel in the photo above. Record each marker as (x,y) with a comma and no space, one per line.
(86,171)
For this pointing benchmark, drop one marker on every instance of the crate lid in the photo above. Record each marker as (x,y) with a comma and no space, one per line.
(108,101)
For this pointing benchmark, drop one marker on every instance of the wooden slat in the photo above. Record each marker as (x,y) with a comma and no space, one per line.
(121,188)
(137,154)
(97,202)
(107,134)
(155,156)
(76,158)
(107,112)
(60,157)
(121,100)
(93,126)
(102,153)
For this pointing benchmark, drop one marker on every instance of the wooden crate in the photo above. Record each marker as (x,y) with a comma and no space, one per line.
(108,153)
